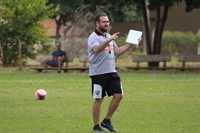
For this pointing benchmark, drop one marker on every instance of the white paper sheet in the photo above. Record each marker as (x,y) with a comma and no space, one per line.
(133,36)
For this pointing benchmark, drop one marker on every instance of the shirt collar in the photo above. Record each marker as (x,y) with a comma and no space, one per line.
(98,33)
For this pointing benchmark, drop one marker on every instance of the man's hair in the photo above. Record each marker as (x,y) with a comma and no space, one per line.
(97,17)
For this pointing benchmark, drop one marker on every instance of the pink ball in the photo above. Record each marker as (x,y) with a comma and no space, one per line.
(40,94)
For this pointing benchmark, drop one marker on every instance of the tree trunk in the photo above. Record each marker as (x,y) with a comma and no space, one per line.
(163,21)
(160,23)
(157,28)
(158,33)
(146,25)
(58,25)
(156,37)
(61,19)
(64,32)
(20,52)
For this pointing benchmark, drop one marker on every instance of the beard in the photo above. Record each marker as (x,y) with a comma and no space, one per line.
(103,29)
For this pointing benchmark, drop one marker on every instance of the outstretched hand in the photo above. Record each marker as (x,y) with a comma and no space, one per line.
(140,39)
(114,36)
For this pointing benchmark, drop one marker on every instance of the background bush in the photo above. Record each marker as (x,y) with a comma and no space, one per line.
(173,43)
(176,42)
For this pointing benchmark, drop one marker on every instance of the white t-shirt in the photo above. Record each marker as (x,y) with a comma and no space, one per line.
(103,62)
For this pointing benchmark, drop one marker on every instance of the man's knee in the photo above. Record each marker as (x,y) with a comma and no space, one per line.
(98,100)
(44,62)
(59,59)
(118,96)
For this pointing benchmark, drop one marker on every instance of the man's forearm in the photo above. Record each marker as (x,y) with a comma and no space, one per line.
(121,50)
(102,46)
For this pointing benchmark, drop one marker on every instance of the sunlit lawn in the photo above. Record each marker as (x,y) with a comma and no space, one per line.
(154,102)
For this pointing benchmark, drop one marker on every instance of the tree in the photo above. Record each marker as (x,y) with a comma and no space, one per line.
(161,17)
(117,11)
(192,4)
(82,25)
(66,12)
(69,8)
(21,27)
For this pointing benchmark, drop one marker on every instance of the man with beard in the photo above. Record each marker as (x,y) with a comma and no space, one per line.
(102,50)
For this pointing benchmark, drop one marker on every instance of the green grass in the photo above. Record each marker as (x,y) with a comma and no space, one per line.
(154,102)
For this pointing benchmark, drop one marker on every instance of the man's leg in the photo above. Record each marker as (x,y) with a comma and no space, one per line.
(114,103)
(45,65)
(60,62)
(96,108)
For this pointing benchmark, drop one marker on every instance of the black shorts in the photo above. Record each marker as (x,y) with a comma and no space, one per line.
(109,83)
(52,63)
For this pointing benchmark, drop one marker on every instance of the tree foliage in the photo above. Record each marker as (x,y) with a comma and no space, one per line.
(68,9)
(66,12)
(21,27)
(192,4)
(118,11)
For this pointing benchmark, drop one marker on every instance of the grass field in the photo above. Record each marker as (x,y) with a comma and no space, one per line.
(154,102)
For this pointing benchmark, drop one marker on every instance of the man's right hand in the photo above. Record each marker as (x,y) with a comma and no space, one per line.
(114,36)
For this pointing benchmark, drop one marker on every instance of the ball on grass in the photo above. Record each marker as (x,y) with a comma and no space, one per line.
(40,94)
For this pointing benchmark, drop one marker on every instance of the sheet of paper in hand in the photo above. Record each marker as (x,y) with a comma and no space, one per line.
(133,36)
